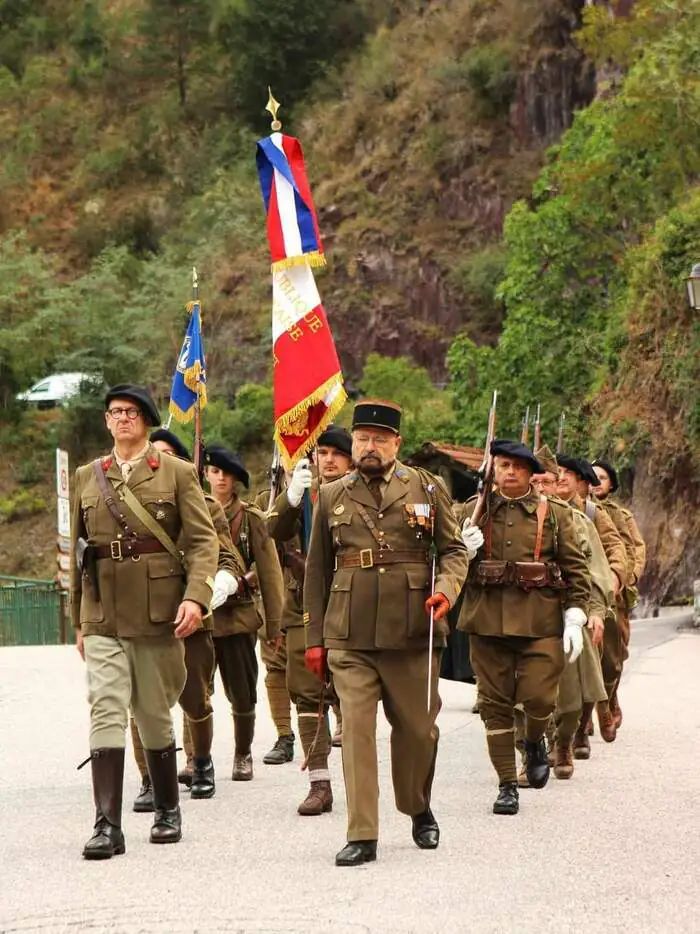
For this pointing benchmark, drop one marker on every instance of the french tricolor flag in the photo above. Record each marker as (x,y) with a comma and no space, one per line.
(308,382)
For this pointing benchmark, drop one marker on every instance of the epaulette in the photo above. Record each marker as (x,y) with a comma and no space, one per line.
(253,509)
(350,479)
(402,474)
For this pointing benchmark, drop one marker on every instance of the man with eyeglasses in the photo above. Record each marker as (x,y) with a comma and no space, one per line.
(368,602)
(135,597)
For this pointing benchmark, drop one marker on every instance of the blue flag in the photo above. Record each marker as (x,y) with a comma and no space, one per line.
(190,380)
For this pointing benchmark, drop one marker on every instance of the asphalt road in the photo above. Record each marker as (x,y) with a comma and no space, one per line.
(615,849)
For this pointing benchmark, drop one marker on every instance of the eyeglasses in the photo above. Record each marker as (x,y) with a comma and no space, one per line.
(117,412)
(365,440)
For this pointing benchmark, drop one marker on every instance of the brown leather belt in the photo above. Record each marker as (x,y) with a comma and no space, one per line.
(121,548)
(367,558)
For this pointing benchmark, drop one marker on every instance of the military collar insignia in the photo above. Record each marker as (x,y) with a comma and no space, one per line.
(351,479)
(401,473)
(153,460)
(107,462)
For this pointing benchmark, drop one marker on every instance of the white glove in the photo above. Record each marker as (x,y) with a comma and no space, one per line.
(302,478)
(473,538)
(574,621)
(225,586)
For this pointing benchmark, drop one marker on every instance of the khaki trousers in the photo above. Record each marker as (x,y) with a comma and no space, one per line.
(399,680)
(146,674)
(199,661)
(613,652)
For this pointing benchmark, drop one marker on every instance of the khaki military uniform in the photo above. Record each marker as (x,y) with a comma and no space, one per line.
(364,600)
(132,656)
(285,524)
(582,683)
(516,633)
(237,622)
(636,556)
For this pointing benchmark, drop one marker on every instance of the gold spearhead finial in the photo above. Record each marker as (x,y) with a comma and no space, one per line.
(272,107)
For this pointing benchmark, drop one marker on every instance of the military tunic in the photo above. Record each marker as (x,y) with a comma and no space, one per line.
(127,623)
(516,634)
(367,579)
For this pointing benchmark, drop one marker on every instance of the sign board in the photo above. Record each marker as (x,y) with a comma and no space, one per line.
(63,512)
(63,561)
(63,580)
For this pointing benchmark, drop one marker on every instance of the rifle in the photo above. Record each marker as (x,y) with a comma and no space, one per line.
(560,436)
(486,469)
(276,474)
(538,429)
(525,433)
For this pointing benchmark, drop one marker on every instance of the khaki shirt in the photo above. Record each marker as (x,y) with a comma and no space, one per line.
(242,613)
(508,610)
(379,606)
(613,544)
(140,596)
(630,535)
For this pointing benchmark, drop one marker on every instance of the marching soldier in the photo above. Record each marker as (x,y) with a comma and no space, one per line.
(367,601)
(636,556)
(580,473)
(581,685)
(526,602)
(238,620)
(285,524)
(199,654)
(133,606)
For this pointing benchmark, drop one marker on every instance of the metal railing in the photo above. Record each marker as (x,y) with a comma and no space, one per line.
(33,612)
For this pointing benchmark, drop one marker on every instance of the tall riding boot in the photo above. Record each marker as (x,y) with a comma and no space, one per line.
(185,775)
(243,731)
(107,839)
(162,764)
(143,802)
(202,733)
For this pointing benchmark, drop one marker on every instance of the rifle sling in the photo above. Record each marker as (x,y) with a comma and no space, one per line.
(144,517)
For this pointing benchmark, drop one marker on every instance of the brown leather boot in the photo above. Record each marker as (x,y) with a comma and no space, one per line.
(318,801)
(107,839)
(243,730)
(606,722)
(563,760)
(615,710)
(167,823)
(202,733)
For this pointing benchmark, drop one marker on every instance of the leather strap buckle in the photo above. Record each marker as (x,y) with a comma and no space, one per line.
(366,558)
(115,549)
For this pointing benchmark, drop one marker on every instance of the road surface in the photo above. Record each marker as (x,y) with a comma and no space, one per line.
(617,848)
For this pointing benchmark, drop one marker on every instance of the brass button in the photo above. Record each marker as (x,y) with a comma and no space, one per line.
(509,543)
(380,533)
(380,516)
(510,523)
(511,505)
(382,570)
(335,586)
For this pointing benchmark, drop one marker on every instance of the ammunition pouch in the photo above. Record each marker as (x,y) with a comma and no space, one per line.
(295,560)
(527,575)
(86,559)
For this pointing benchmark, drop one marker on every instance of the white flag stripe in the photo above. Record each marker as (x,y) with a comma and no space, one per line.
(287,208)
(294,294)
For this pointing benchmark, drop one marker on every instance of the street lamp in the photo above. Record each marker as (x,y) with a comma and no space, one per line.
(693,286)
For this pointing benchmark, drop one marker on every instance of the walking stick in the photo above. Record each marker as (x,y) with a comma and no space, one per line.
(431,630)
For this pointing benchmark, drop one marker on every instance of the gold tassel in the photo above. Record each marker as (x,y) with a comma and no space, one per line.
(286,423)
(316,260)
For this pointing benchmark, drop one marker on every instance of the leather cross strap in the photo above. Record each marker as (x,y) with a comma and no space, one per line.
(128,548)
(542,509)
(144,517)
(369,522)
(368,558)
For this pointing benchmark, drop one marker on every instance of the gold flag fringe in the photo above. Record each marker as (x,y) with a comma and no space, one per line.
(294,421)
(315,259)
(177,412)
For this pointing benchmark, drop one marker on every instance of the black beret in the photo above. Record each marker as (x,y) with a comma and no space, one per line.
(610,471)
(504,448)
(162,434)
(579,466)
(376,413)
(216,455)
(588,473)
(138,394)
(336,437)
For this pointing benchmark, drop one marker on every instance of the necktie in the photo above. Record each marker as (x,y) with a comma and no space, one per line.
(375,488)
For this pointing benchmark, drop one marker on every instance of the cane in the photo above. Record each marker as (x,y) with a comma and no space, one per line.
(432,626)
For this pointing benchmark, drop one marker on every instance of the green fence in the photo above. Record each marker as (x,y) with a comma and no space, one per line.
(33,612)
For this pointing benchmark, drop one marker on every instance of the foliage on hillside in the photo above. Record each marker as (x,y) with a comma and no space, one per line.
(595,319)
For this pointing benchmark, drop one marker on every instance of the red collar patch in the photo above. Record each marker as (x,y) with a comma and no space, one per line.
(153,461)
(106,463)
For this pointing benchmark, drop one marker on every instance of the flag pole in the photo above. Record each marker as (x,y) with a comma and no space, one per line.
(197,406)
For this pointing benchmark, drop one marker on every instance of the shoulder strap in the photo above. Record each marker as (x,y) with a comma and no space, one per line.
(106,489)
(542,508)
(146,519)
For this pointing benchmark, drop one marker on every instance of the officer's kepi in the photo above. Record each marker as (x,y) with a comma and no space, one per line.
(377,413)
